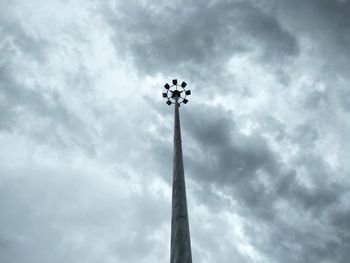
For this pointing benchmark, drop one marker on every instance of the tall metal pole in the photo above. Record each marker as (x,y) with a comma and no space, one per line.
(180,245)
(180,231)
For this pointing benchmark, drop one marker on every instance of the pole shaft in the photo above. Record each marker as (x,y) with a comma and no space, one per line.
(180,251)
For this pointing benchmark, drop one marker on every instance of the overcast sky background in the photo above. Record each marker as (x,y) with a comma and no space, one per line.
(86,138)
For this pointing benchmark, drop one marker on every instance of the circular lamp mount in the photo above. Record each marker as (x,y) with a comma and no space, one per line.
(176,93)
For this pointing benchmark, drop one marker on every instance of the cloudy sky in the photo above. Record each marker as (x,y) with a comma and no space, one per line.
(86,138)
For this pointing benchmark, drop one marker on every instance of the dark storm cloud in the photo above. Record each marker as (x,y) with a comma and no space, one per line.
(219,154)
(325,20)
(196,37)
(230,150)
(326,24)
(227,158)
(297,244)
(235,158)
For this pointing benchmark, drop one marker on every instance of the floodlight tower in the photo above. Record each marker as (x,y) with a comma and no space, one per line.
(180,245)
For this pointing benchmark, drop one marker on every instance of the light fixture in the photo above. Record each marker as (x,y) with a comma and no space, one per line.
(175,93)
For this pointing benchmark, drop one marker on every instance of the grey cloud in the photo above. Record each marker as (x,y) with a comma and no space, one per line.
(341,219)
(297,245)
(316,99)
(306,135)
(16,39)
(196,37)
(326,23)
(20,103)
(235,155)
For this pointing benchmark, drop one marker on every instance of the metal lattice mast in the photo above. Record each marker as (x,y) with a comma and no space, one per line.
(180,246)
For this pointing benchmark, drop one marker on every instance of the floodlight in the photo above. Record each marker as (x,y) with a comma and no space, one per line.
(176,93)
